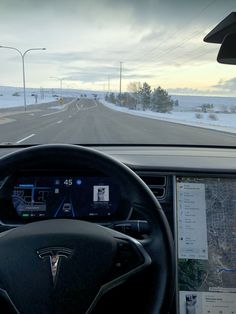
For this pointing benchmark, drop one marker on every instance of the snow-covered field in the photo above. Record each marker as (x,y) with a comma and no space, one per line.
(225,121)
(187,102)
(7,100)
(13,97)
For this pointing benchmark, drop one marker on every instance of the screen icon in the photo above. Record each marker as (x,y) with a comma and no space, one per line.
(66,208)
(101,193)
(78,182)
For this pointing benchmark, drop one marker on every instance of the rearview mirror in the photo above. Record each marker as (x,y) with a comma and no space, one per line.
(227,53)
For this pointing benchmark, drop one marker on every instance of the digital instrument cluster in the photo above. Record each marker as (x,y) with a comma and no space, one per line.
(62,196)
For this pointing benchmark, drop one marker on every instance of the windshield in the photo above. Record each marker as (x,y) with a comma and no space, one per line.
(114,72)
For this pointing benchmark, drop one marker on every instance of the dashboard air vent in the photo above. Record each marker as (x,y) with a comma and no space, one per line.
(157,183)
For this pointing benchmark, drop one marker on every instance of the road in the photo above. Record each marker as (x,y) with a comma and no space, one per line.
(88,122)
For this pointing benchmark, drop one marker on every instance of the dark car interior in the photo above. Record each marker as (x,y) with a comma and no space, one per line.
(141,277)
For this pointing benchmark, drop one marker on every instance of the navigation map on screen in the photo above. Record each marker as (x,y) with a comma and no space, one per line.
(206,232)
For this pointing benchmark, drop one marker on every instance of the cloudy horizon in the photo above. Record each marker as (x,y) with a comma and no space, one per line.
(158,41)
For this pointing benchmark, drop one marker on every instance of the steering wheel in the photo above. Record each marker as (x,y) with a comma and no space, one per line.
(65,265)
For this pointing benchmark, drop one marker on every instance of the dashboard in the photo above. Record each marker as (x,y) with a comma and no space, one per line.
(196,189)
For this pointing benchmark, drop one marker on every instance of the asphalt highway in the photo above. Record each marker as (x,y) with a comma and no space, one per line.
(87,121)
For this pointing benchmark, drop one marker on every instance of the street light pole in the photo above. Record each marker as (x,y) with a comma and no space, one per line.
(120,79)
(61,86)
(59,79)
(23,65)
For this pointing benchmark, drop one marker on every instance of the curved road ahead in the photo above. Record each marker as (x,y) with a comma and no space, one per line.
(88,122)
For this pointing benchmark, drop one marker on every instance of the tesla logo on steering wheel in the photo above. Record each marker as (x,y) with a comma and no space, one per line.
(55,254)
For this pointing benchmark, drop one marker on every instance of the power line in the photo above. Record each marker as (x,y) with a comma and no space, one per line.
(194,34)
(190,21)
(194,57)
(198,56)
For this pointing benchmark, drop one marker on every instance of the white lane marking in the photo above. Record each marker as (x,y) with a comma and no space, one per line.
(31,114)
(70,117)
(51,113)
(60,121)
(25,138)
(86,108)
(78,107)
(65,108)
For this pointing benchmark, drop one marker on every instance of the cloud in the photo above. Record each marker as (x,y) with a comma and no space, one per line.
(189,91)
(98,74)
(153,36)
(106,56)
(176,13)
(85,40)
(211,91)
(226,85)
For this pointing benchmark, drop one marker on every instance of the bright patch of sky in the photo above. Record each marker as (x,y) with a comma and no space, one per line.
(159,41)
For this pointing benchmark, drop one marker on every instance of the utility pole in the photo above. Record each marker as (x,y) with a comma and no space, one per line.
(120,79)
(108,84)
(59,79)
(61,87)
(41,93)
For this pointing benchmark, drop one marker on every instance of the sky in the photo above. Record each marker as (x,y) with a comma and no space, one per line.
(158,41)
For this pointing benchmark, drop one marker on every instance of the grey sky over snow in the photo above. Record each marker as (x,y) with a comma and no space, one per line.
(160,41)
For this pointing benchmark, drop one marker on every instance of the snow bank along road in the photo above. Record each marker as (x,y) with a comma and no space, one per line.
(89,122)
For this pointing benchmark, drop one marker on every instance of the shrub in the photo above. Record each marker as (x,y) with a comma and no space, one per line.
(213,116)
(198,115)
(16,94)
(233,109)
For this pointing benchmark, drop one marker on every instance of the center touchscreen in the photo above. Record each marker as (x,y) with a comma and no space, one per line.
(206,240)
(65,197)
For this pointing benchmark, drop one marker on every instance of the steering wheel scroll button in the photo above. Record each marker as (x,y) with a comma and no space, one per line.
(127,258)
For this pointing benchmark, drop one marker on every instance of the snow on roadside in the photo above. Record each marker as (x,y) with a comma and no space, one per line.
(9,101)
(226,121)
